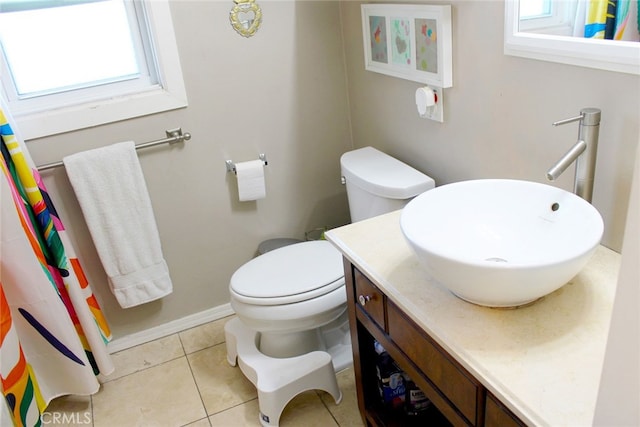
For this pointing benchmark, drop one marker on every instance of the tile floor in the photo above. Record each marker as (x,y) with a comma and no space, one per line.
(185,380)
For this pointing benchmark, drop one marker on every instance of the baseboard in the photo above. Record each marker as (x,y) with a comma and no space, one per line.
(169,328)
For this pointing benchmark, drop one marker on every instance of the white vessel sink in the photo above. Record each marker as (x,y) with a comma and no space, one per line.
(501,243)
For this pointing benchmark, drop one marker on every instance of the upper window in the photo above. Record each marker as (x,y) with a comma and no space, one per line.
(531,9)
(70,64)
(547,16)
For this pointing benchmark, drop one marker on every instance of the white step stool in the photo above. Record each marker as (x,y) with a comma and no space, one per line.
(278,380)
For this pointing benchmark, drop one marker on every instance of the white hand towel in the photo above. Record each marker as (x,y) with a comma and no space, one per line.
(113,196)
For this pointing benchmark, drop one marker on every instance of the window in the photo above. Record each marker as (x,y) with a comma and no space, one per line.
(70,64)
(530,9)
(547,16)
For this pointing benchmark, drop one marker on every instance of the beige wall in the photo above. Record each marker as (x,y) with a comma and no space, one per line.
(498,113)
(617,403)
(282,93)
(285,92)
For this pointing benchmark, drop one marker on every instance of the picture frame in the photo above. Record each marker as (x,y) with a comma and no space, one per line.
(411,42)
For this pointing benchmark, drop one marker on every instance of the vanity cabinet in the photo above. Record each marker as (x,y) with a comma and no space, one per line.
(457,397)
(496,415)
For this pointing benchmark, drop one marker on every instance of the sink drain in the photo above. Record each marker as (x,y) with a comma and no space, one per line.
(496,259)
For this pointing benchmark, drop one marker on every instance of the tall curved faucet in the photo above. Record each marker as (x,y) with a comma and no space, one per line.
(583,153)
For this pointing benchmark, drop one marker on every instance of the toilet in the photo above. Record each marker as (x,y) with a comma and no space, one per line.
(290,302)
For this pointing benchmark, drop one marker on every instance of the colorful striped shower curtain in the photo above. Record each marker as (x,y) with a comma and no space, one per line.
(53,334)
(611,19)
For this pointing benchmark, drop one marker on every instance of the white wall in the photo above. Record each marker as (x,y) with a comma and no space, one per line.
(498,113)
(620,384)
(282,93)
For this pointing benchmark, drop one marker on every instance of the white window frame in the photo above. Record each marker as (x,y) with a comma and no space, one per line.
(559,21)
(169,94)
(619,56)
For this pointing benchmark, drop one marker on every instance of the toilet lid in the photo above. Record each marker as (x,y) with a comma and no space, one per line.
(289,274)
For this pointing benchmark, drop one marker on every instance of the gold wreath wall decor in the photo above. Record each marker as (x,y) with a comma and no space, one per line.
(245,17)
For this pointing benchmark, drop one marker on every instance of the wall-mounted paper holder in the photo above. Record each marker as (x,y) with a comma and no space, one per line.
(231,167)
(429,101)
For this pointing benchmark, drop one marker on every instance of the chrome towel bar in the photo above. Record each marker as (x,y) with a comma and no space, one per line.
(173,136)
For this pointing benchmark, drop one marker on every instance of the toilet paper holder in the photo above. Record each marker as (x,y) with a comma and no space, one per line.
(231,167)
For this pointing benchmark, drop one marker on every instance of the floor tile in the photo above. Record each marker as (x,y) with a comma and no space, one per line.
(304,410)
(155,384)
(243,415)
(221,386)
(346,413)
(70,411)
(144,356)
(200,423)
(164,395)
(204,336)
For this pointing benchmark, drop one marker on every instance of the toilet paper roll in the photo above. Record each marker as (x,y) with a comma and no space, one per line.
(251,184)
(425,98)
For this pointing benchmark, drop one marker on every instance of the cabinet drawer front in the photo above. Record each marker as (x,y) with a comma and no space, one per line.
(497,415)
(434,363)
(369,298)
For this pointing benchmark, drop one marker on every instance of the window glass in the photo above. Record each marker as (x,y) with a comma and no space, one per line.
(547,16)
(534,8)
(73,46)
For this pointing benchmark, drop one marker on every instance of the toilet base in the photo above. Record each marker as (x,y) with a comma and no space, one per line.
(278,380)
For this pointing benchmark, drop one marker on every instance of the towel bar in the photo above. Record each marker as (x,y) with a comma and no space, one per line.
(173,136)
(231,167)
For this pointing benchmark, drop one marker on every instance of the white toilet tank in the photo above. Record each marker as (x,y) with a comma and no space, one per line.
(378,183)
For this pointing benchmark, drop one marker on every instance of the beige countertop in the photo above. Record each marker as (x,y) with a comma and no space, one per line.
(543,361)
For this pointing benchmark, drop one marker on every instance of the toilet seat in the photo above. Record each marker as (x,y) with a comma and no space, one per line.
(289,274)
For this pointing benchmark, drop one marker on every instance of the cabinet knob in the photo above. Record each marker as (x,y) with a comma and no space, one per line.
(364,299)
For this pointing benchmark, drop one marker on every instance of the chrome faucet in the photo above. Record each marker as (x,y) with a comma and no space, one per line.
(583,153)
